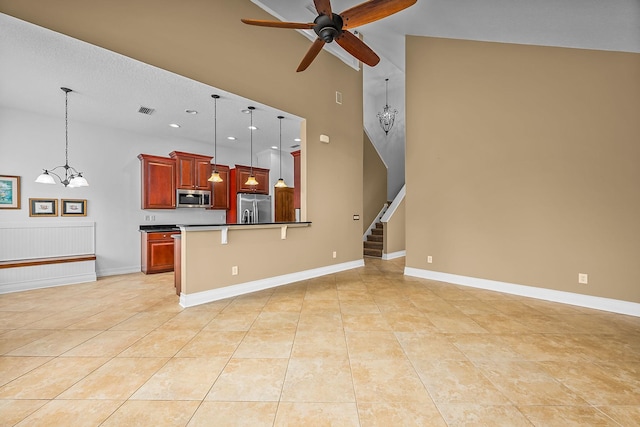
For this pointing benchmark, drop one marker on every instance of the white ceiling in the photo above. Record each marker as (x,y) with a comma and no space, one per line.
(36,62)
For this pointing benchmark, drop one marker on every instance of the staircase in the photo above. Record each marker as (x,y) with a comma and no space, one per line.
(373,244)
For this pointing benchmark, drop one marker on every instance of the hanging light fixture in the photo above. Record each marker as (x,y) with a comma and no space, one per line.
(215,176)
(252,179)
(72,178)
(387,116)
(281,183)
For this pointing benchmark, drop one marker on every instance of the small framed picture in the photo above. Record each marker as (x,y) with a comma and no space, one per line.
(43,207)
(74,207)
(9,192)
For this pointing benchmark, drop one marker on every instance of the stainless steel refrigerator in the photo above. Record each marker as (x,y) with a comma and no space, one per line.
(254,208)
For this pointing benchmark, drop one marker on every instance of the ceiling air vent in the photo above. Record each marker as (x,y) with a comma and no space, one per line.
(146,110)
(295,146)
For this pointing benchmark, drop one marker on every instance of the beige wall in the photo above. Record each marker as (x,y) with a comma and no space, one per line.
(206,41)
(523,164)
(375,184)
(395,231)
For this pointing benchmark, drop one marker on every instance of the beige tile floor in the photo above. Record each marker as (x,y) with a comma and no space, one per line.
(366,347)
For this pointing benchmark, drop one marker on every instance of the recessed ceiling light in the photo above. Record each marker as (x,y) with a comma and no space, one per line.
(174,125)
(231,138)
(273,147)
(297,139)
(191,111)
(252,127)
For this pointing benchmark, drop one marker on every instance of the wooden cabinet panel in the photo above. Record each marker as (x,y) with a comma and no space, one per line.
(158,183)
(296,178)
(262,176)
(193,170)
(285,210)
(220,190)
(157,253)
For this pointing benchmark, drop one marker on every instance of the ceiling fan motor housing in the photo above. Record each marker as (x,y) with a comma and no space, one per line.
(328,28)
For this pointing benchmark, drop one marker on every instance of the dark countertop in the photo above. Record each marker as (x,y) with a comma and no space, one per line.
(176,227)
(158,228)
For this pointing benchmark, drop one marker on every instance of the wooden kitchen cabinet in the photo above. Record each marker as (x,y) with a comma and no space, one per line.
(220,190)
(192,170)
(241,174)
(284,206)
(157,252)
(296,178)
(158,182)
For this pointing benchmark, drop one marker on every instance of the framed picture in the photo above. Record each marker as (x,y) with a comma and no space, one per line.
(43,207)
(74,207)
(9,192)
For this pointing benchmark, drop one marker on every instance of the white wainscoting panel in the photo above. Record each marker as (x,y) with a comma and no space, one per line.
(49,239)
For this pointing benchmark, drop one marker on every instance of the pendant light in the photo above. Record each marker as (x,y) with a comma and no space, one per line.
(72,178)
(387,116)
(252,179)
(215,176)
(281,183)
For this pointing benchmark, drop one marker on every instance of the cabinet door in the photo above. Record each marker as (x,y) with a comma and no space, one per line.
(202,170)
(285,211)
(157,252)
(185,177)
(262,176)
(158,184)
(221,189)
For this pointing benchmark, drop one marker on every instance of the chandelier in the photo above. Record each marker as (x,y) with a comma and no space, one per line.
(387,116)
(71,178)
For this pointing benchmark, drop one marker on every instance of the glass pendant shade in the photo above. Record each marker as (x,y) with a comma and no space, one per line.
(215,177)
(251,181)
(281,183)
(45,178)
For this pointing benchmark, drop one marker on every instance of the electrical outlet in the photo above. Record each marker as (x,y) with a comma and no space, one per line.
(147,217)
(429,259)
(335,254)
(153,217)
(583,278)
(234,270)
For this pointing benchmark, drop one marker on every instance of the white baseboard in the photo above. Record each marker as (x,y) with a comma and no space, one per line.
(394,255)
(190,300)
(27,278)
(588,301)
(118,271)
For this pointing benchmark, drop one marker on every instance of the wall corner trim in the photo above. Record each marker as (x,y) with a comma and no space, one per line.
(588,301)
(190,300)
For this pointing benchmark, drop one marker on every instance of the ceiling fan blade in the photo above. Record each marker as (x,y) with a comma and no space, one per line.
(323,7)
(357,48)
(279,24)
(313,51)
(373,10)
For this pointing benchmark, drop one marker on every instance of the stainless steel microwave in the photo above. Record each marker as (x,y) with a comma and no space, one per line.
(193,198)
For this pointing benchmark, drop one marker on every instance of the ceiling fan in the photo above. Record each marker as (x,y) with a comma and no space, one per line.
(331,26)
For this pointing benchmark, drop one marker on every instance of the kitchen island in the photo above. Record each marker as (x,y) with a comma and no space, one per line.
(218,261)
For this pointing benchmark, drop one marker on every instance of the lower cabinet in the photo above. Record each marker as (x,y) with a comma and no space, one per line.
(157,253)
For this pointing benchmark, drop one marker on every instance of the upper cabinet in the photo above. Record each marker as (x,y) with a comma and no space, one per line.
(192,170)
(158,182)
(220,190)
(241,173)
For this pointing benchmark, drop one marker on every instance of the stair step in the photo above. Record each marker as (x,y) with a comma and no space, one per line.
(372,245)
(379,225)
(377,231)
(373,252)
(375,238)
